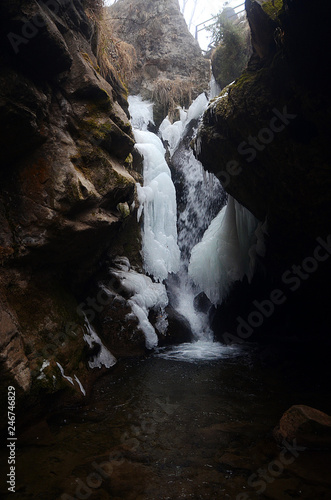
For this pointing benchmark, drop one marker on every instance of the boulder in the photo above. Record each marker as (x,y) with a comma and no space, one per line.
(310,428)
(266,138)
(178,331)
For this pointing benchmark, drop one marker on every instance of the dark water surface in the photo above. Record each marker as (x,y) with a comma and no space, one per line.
(174,427)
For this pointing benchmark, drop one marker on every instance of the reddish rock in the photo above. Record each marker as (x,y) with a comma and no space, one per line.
(308,426)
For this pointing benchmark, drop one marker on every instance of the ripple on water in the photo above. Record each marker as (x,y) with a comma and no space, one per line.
(198,351)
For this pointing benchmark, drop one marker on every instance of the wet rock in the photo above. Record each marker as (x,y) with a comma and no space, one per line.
(178,331)
(310,428)
(202,303)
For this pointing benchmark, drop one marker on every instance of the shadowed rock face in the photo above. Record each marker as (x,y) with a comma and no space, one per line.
(274,126)
(169,60)
(65,166)
(267,139)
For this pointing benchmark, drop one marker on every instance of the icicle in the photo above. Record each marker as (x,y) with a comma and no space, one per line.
(144,295)
(157,200)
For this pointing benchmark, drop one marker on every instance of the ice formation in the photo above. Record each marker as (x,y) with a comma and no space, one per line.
(141,112)
(80,385)
(157,199)
(223,257)
(104,357)
(201,199)
(63,375)
(225,253)
(174,132)
(144,296)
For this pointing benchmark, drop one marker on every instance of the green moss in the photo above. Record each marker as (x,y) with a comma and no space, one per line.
(124,210)
(87,58)
(273,8)
(246,78)
(102,103)
(99,131)
(128,162)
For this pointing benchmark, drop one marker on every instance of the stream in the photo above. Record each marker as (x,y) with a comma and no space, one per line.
(180,423)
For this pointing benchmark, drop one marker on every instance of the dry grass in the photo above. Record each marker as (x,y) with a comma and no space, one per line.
(122,56)
(113,55)
(173,93)
(95,6)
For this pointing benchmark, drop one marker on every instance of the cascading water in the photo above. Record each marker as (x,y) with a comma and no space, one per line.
(200,197)
(209,247)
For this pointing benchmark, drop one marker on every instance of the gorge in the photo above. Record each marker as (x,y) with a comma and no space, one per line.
(164,254)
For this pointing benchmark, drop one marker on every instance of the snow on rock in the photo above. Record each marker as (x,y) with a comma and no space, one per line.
(173,133)
(104,357)
(144,295)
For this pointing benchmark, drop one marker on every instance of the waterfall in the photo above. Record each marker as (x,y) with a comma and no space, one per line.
(157,197)
(200,197)
(197,242)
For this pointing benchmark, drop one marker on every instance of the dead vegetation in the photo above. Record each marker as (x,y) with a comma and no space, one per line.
(113,55)
(170,94)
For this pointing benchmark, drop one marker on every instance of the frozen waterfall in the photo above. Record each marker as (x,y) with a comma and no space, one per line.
(200,196)
(216,242)
(223,256)
(157,197)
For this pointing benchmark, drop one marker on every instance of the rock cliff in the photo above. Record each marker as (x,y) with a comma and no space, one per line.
(266,137)
(169,67)
(67,183)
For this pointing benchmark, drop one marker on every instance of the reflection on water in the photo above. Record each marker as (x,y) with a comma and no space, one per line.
(162,428)
(198,351)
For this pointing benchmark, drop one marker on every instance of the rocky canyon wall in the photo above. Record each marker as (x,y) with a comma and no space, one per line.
(267,139)
(169,66)
(67,185)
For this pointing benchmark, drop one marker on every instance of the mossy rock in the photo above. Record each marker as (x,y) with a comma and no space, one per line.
(273,8)
(107,135)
